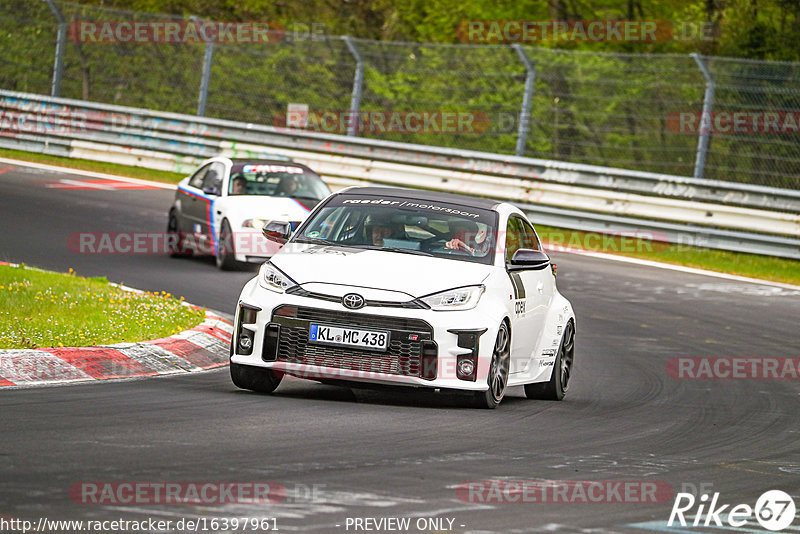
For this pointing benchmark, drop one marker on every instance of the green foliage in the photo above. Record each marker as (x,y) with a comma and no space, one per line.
(45,309)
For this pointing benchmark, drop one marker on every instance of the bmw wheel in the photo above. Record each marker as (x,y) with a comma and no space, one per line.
(226,254)
(174,237)
(255,379)
(556,387)
(498,370)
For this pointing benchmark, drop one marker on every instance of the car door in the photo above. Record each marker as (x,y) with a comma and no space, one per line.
(192,203)
(533,291)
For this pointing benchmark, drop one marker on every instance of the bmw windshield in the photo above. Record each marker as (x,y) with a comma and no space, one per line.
(277,180)
(404,226)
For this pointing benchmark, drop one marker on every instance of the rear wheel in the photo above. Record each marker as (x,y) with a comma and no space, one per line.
(556,387)
(498,371)
(226,254)
(254,378)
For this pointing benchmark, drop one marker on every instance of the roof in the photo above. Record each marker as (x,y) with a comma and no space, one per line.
(427,196)
(265,161)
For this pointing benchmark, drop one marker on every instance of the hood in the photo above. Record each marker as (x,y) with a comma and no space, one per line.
(414,275)
(267,208)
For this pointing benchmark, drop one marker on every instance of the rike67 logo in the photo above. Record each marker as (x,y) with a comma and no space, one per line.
(774,510)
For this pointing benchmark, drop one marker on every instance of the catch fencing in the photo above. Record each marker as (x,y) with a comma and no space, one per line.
(628,111)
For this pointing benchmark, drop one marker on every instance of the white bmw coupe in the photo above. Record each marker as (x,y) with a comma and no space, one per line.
(222,207)
(405,287)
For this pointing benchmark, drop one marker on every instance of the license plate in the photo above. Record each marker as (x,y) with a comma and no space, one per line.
(351,337)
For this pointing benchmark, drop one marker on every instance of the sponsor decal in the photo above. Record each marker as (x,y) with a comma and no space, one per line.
(273,168)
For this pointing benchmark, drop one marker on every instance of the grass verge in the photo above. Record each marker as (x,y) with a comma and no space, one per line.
(742,264)
(45,309)
(723,261)
(95,166)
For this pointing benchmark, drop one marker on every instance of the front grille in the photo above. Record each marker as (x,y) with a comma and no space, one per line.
(403,357)
(411,304)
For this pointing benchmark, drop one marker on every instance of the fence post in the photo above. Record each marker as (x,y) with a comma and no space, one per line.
(61,42)
(705,118)
(358,82)
(525,112)
(205,78)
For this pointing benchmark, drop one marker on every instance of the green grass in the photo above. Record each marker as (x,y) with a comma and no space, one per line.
(742,264)
(41,309)
(96,166)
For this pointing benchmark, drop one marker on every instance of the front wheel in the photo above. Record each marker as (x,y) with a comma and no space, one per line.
(174,237)
(556,387)
(226,254)
(498,371)
(254,378)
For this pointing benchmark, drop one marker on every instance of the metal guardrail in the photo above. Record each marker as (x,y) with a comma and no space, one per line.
(723,215)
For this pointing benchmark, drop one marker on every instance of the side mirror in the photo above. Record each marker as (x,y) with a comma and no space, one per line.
(278,232)
(526,258)
(211,191)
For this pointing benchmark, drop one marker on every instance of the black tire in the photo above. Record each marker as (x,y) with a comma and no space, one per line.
(225,257)
(175,244)
(254,378)
(498,371)
(556,388)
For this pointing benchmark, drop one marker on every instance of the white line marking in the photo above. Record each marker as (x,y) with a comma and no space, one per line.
(90,174)
(679,268)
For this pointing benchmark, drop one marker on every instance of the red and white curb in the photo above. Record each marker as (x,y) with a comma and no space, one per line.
(203,347)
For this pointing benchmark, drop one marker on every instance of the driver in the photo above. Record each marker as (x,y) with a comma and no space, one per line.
(286,187)
(239,186)
(467,236)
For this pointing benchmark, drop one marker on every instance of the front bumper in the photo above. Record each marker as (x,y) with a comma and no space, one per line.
(425,346)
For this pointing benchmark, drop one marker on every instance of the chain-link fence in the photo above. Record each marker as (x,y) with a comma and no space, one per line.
(629,111)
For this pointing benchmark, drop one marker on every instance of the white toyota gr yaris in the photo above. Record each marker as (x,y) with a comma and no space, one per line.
(405,287)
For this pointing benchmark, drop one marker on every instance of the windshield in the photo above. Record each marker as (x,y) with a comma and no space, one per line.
(276,180)
(404,226)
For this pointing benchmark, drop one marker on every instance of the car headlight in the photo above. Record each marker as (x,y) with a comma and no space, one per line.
(460,298)
(258,224)
(272,278)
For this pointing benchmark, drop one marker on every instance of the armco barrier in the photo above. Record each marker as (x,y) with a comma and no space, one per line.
(714,214)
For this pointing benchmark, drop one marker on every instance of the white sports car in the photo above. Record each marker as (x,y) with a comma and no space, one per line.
(222,207)
(406,287)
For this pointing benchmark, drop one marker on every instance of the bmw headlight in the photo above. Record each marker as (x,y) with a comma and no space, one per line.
(460,298)
(272,278)
(258,224)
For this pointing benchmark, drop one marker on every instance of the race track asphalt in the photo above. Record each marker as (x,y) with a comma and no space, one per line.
(345,453)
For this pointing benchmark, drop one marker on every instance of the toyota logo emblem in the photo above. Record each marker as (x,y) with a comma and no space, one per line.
(353,301)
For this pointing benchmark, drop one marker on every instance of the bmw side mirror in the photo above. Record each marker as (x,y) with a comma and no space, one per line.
(278,232)
(526,258)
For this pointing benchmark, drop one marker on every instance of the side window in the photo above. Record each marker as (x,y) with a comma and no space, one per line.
(514,236)
(197,178)
(212,181)
(529,240)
